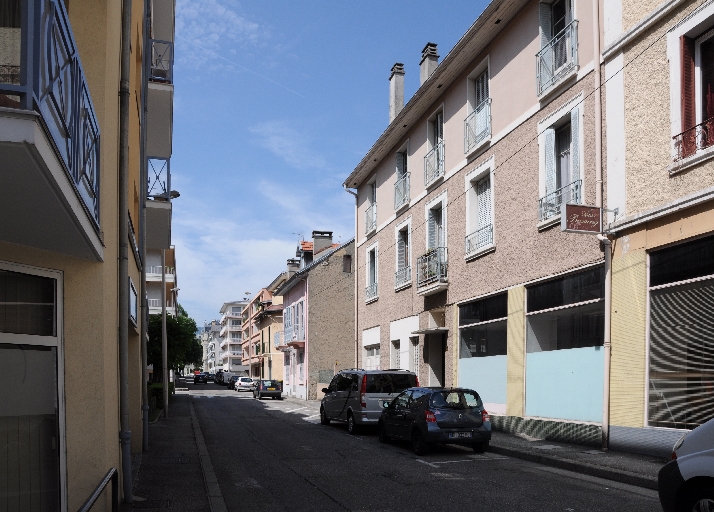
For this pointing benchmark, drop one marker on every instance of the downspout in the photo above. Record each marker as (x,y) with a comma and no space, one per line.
(142,235)
(607,243)
(124,100)
(355,272)
(164,342)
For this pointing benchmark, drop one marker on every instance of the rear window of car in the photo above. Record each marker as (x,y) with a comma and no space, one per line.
(390,382)
(270,383)
(456,400)
(246,379)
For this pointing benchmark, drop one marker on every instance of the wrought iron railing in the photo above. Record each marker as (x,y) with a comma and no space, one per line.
(288,333)
(432,267)
(434,164)
(159,175)
(162,61)
(402,277)
(401,191)
(477,126)
(696,138)
(370,218)
(482,237)
(278,339)
(557,58)
(370,293)
(549,205)
(43,72)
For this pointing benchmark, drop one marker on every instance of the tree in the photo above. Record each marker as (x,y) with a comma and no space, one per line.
(183,347)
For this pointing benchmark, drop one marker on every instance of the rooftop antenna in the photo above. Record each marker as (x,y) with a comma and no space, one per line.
(300,235)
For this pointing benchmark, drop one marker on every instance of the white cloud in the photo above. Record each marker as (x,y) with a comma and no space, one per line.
(290,144)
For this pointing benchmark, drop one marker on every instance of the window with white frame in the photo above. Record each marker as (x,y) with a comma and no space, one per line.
(288,323)
(372,269)
(300,320)
(435,227)
(477,126)
(133,304)
(395,354)
(479,209)
(235,323)
(236,310)
(32,408)
(370,214)
(371,357)
(434,159)
(561,156)
(559,43)
(403,274)
(401,185)
(432,265)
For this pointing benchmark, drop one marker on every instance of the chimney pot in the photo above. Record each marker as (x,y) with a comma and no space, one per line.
(396,90)
(293,266)
(429,61)
(320,241)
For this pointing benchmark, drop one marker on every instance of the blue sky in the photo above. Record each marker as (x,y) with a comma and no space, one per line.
(275,103)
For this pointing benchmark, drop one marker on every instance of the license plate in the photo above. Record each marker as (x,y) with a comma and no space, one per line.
(460,434)
(271,389)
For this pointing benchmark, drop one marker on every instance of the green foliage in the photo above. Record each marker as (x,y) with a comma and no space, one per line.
(183,347)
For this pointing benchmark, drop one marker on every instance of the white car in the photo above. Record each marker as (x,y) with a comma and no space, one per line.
(244,384)
(686,483)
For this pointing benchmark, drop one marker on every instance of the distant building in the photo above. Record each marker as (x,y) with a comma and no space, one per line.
(153,281)
(231,335)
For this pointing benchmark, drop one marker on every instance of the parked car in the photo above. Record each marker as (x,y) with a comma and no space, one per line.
(686,483)
(200,378)
(232,382)
(436,415)
(265,388)
(244,384)
(356,396)
(212,376)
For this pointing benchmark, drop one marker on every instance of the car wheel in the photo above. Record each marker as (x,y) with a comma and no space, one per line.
(352,427)
(324,420)
(419,446)
(260,396)
(699,499)
(480,447)
(383,437)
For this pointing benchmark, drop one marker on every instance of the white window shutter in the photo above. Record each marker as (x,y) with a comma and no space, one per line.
(483,190)
(550,178)
(574,145)
(400,250)
(400,165)
(546,23)
(439,127)
(432,230)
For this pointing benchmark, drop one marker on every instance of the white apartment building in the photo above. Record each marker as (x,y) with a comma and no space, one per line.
(231,336)
(210,339)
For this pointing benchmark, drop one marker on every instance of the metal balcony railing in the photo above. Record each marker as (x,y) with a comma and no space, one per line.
(482,237)
(162,61)
(696,138)
(370,293)
(278,339)
(477,126)
(156,303)
(370,218)
(434,164)
(402,276)
(159,173)
(288,333)
(401,191)
(549,205)
(432,267)
(156,269)
(557,58)
(40,70)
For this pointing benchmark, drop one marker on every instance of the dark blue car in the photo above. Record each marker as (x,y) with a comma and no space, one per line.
(436,415)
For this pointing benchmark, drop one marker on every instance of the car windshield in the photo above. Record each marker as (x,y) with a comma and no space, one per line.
(456,399)
(390,382)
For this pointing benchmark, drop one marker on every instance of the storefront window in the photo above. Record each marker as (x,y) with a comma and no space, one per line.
(483,327)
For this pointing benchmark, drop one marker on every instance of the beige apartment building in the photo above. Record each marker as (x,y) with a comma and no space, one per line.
(72,239)
(660,165)
(463,274)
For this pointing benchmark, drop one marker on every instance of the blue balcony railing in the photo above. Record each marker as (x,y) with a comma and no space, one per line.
(42,71)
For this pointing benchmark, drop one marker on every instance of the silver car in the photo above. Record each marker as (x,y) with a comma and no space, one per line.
(357,396)
(243,384)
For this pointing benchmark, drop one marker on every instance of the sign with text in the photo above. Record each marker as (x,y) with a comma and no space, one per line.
(578,218)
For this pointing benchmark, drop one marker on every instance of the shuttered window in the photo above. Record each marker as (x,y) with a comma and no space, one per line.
(401,165)
(483,195)
(436,230)
(687,83)
(481,85)
(402,249)
(372,257)
(550,171)
(439,128)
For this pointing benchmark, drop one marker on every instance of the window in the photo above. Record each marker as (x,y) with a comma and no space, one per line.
(477,126)
(235,323)
(401,185)
(299,321)
(403,274)
(558,37)
(560,158)
(133,304)
(235,335)
(681,353)
(372,269)
(370,216)
(395,359)
(567,312)
(435,228)
(479,207)
(482,326)
(432,266)
(434,159)
(236,310)
(347,264)
(415,362)
(371,357)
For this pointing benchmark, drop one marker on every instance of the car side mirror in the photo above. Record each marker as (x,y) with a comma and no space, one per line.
(325,390)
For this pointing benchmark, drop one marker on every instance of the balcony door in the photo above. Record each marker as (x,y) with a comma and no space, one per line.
(436,228)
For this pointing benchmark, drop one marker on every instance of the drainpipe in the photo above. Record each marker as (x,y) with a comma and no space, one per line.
(142,235)
(124,100)
(164,342)
(607,243)
(355,272)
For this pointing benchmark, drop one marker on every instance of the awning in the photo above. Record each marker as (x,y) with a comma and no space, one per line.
(431,330)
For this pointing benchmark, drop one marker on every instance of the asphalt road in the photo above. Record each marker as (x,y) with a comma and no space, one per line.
(274,455)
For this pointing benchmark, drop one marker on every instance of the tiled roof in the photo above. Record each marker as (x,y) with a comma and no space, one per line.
(306,246)
(330,247)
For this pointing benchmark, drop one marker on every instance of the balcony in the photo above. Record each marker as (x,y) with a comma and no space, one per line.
(370,219)
(279,340)
(49,162)
(401,192)
(370,293)
(477,126)
(557,59)
(434,164)
(155,307)
(158,207)
(403,278)
(549,205)
(478,240)
(432,271)
(153,273)
(697,138)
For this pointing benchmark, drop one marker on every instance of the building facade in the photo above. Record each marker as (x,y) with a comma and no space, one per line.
(231,334)
(463,274)
(154,280)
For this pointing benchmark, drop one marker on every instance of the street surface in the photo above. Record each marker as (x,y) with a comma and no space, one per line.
(274,455)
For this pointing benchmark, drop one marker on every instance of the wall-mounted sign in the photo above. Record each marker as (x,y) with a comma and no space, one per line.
(578,218)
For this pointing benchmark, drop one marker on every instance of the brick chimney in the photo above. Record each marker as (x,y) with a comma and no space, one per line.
(293,266)
(321,240)
(396,90)
(429,61)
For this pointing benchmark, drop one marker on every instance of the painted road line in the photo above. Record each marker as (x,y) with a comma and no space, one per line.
(311,417)
(427,463)
(298,409)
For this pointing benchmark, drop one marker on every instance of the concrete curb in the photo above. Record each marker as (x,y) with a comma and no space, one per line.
(213,491)
(584,468)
